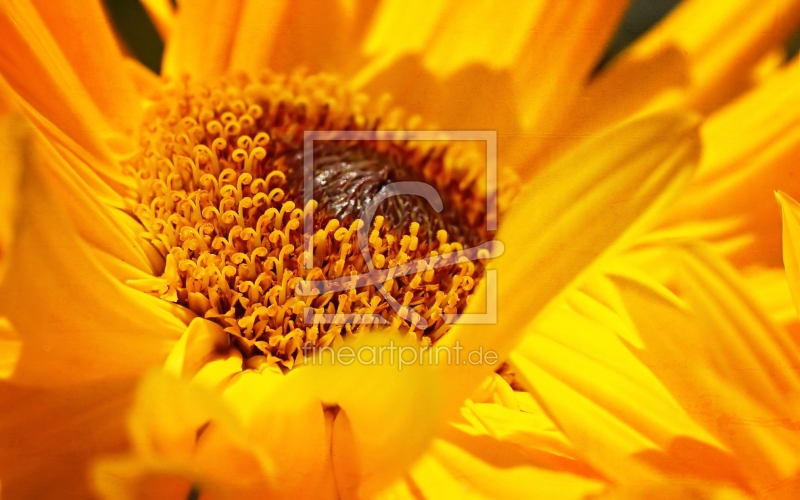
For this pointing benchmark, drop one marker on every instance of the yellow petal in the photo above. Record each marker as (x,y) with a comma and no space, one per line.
(721,357)
(168,412)
(202,342)
(133,478)
(13,142)
(182,436)
(285,419)
(485,65)
(583,205)
(791,243)
(723,42)
(146,82)
(10,347)
(535,433)
(750,149)
(258,31)
(41,74)
(202,38)
(774,294)
(59,431)
(94,208)
(400,490)
(55,100)
(82,32)
(77,322)
(383,404)
(461,465)
(204,355)
(674,490)
(659,78)
(615,411)
(162,14)
(319,36)
(563,49)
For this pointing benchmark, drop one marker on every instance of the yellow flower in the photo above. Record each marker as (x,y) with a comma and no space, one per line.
(637,365)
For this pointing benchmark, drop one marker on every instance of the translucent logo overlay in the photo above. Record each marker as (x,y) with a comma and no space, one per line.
(377,277)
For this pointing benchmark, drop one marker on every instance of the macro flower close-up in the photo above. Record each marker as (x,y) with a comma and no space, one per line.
(399,249)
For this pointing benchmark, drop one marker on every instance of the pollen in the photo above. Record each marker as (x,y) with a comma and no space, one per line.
(220,193)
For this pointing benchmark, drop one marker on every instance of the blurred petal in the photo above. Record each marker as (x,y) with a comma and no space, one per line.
(590,201)
(485,65)
(49,437)
(133,479)
(259,30)
(674,490)
(609,404)
(556,62)
(659,80)
(13,146)
(202,38)
(750,150)
(201,342)
(722,359)
(319,36)
(76,321)
(94,209)
(722,41)
(50,90)
(162,13)
(182,437)
(791,244)
(146,82)
(532,433)
(82,32)
(10,347)
(383,404)
(774,294)
(285,420)
(464,465)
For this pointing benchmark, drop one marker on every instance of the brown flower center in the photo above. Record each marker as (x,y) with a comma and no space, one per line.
(221,189)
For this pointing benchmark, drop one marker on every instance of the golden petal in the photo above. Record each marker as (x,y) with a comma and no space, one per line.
(13,142)
(59,431)
(774,294)
(83,34)
(201,40)
(146,82)
(81,91)
(162,13)
(460,464)
(555,62)
(580,207)
(382,404)
(750,150)
(660,80)
(284,419)
(182,436)
(791,244)
(76,321)
(93,207)
(485,65)
(10,348)
(722,357)
(723,43)
(202,342)
(319,36)
(606,400)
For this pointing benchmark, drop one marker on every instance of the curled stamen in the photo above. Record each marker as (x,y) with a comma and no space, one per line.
(220,195)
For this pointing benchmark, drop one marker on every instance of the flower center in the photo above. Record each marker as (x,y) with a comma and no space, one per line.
(221,190)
